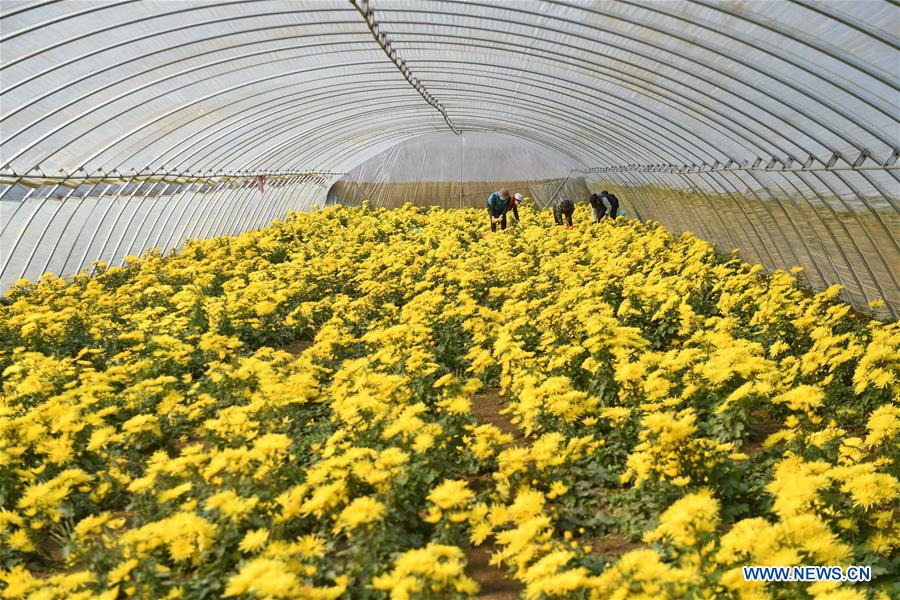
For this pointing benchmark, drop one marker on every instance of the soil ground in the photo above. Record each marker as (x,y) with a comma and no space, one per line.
(486,407)
(298,347)
(614,544)
(494,581)
(760,430)
(495,585)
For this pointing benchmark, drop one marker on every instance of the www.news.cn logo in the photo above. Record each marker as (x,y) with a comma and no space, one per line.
(807,573)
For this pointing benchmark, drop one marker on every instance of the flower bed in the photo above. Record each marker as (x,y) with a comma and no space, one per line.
(156,441)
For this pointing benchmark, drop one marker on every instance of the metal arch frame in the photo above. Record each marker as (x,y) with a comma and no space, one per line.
(538,139)
(682,99)
(229,117)
(278,209)
(313,156)
(666,33)
(256,15)
(344,123)
(274,129)
(791,220)
(160,15)
(848,20)
(209,132)
(621,127)
(36,26)
(169,113)
(248,118)
(762,108)
(30,6)
(765,110)
(546,141)
(796,36)
(139,59)
(156,82)
(593,67)
(573,115)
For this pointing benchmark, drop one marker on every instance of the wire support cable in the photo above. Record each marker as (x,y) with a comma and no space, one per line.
(789,164)
(365,8)
(37,178)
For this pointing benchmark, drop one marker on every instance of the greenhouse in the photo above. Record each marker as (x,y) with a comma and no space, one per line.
(449,298)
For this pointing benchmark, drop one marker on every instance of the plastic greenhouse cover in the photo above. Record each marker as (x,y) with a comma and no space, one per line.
(770,127)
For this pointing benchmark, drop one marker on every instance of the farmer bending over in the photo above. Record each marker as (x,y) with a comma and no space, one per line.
(514,203)
(563,207)
(604,204)
(497,205)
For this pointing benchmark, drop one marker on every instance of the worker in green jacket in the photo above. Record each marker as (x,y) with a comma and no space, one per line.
(498,205)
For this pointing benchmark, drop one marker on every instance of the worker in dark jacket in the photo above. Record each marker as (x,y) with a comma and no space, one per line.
(498,205)
(604,204)
(563,207)
(598,210)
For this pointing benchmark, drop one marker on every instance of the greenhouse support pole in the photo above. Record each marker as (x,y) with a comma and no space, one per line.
(559,188)
(460,171)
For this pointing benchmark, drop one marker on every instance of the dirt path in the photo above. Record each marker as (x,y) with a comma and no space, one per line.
(494,581)
(486,408)
(495,585)
(297,348)
(614,544)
